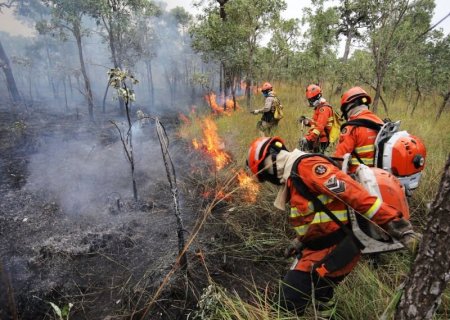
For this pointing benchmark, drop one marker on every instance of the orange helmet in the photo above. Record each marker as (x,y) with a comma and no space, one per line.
(259,150)
(355,94)
(266,86)
(313,94)
(312,91)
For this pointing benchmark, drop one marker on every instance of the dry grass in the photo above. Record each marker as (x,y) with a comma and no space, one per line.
(367,293)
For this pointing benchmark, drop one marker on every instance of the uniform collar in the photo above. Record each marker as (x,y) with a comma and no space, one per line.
(285,161)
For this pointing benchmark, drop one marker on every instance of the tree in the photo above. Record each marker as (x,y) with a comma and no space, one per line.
(121,80)
(118,19)
(353,16)
(67,16)
(393,28)
(429,274)
(280,48)
(7,70)
(321,37)
(6,66)
(231,37)
(440,60)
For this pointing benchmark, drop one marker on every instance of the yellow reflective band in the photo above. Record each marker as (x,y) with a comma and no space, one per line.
(321,216)
(317,132)
(367,161)
(330,119)
(301,230)
(373,209)
(322,197)
(294,213)
(364,149)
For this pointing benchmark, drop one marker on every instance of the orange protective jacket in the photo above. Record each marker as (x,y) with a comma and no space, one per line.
(336,190)
(359,140)
(321,123)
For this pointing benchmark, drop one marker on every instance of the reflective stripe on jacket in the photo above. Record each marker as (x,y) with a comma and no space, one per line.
(321,123)
(336,190)
(359,140)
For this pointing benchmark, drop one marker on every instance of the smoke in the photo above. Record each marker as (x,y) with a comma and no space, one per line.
(84,174)
(86,177)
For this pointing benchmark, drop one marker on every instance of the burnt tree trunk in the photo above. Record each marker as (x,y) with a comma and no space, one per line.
(151,87)
(430,272)
(10,82)
(87,84)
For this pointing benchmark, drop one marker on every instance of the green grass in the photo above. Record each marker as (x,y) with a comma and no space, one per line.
(367,293)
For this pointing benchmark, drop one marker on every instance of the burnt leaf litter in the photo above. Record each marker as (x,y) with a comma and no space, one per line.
(63,243)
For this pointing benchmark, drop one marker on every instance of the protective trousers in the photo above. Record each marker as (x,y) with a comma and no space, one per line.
(299,288)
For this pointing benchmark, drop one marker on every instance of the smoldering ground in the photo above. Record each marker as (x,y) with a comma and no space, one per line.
(85,175)
(65,239)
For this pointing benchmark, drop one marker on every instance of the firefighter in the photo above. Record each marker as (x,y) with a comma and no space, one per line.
(317,138)
(326,249)
(268,122)
(357,140)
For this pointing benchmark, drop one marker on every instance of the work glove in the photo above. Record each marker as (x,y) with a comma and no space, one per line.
(294,248)
(304,120)
(402,231)
(411,241)
(305,145)
(254,111)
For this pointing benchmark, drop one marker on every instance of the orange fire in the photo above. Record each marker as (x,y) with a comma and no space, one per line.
(249,185)
(211,99)
(212,144)
(184,119)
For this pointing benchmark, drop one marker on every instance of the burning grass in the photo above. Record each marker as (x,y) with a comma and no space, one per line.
(261,232)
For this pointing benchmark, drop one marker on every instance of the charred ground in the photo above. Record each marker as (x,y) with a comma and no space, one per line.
(109,261)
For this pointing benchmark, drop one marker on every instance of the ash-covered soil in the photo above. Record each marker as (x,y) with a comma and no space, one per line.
(70,231)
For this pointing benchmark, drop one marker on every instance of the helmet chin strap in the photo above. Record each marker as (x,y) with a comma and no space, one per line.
(267,174)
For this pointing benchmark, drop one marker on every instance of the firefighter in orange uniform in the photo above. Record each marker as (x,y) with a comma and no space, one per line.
(317,138)
(357,140)
(326,249)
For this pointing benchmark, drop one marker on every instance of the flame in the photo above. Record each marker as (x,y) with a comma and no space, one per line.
(184,119)
(250,186)
(212,144)
(211,99)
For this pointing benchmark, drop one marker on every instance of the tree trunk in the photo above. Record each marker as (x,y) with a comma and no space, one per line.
(441,109)
(376,98)
(431,269)
(65,94)
(348,43)
(419,95)
(87,84)
(10,82)
(151,86)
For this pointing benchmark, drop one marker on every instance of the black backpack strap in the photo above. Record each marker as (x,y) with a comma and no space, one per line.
(363,123)
(301,187)
(347,245)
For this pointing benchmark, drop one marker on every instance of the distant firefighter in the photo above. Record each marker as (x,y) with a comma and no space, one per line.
(272,111)
(318,137)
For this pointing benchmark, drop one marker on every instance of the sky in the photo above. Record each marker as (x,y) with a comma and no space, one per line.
(11,25)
